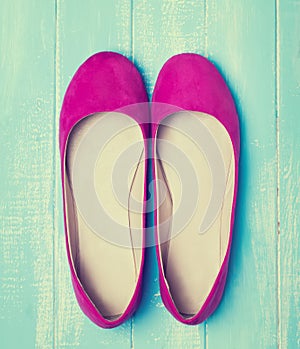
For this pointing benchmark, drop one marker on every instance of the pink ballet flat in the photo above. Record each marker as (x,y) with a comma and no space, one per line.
(196,145)
(103,129)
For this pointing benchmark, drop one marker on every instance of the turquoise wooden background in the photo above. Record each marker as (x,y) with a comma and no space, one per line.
(256,45)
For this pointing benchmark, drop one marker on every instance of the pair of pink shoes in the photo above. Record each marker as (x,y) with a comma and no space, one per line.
(110,135)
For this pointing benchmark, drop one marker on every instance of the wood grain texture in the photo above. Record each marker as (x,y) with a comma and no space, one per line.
(288,107)
(255,44)
(26,185)
(241,41)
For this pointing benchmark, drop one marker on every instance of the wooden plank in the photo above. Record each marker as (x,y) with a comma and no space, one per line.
(241,41)
(288,103)
(26,176)
(162,29)
(83,29)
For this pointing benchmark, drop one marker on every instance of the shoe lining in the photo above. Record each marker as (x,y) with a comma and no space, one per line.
(107,270)
(191,260)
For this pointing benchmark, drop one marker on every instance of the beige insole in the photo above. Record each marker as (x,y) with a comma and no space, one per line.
(104,177)
(192,256)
